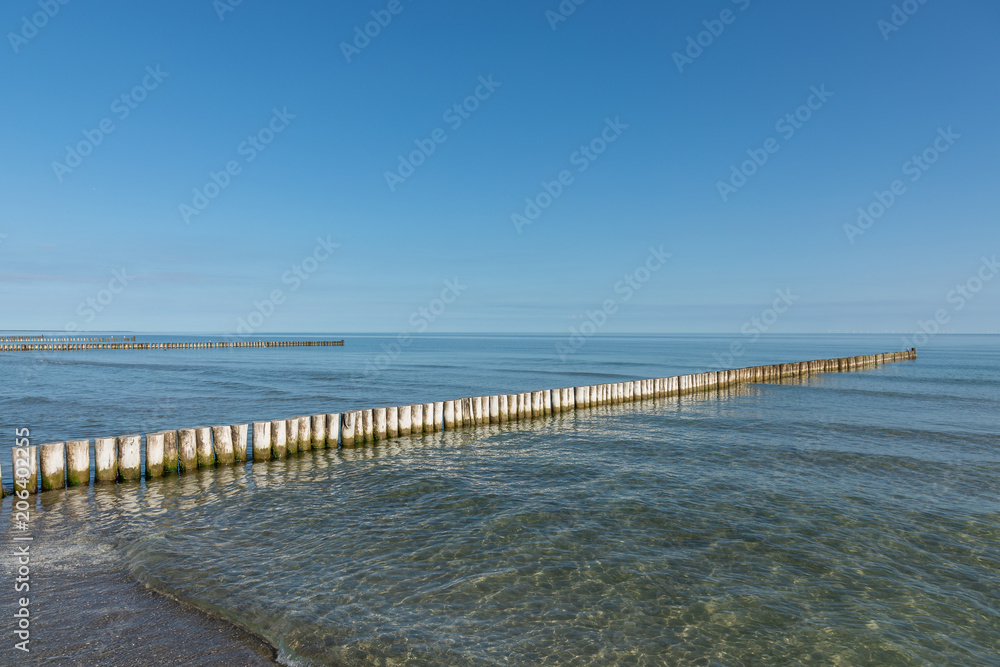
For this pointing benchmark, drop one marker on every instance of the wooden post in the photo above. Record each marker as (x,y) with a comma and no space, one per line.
(305,434)
(318,431)
(347,429)
(429,425)
(449,415)
(381,424)
(203,438)
(25,470)
(169,451)
(536,404)
(367,426)
(556,401)
(468,414)
(438,415)
(292,435)
(78,462)
(238,436)
(154,455)
(417,418)
(129,461)
(333,430)
(504,410)
(187,450)
(105,460)
(405,420)
(53,465)
(261,441)
(392,422)
(279,438)
(223,445)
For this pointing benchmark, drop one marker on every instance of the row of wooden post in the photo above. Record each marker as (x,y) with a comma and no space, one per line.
(77,339)
(72,347)
(178,451)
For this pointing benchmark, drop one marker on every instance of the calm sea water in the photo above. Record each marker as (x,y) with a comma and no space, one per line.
(842,519)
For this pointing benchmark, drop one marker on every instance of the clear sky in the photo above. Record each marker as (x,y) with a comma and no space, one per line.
(621,122)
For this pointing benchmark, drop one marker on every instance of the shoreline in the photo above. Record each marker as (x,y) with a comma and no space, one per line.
(88,608)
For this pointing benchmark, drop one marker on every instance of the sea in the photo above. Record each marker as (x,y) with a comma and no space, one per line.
(836,519)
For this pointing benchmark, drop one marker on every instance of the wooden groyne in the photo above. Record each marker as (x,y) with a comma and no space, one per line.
(120,459)
(198,345)
(76,339)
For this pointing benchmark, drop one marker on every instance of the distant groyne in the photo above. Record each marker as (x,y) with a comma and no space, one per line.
(129,344)
(125,458)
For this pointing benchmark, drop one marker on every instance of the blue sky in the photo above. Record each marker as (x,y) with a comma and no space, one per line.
(204,84)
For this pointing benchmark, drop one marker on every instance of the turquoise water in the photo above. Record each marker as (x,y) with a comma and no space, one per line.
(841,519)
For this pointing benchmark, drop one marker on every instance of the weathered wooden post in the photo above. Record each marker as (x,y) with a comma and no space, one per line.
(449,415)
(392,422)
(206,455)
(493,409)
(417,418)
(429,425)
(405,420)
(25,470)
(279,438)
(53,465)
(129,461)
(238,436)
(169,452)
(223,445)
(154,455)
(305,433)
(468,413)
(438,415)
(187,450)
(459,413)
(318,431)
(347,429)
(261,441)
(367,426)
(381,423)
(105,460)
(504,410)
(292,435)
(333,430)
(78,462)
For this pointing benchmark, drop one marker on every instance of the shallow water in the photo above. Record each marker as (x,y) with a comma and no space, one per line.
(841,519)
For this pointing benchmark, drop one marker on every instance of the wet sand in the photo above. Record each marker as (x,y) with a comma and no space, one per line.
(86,609)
